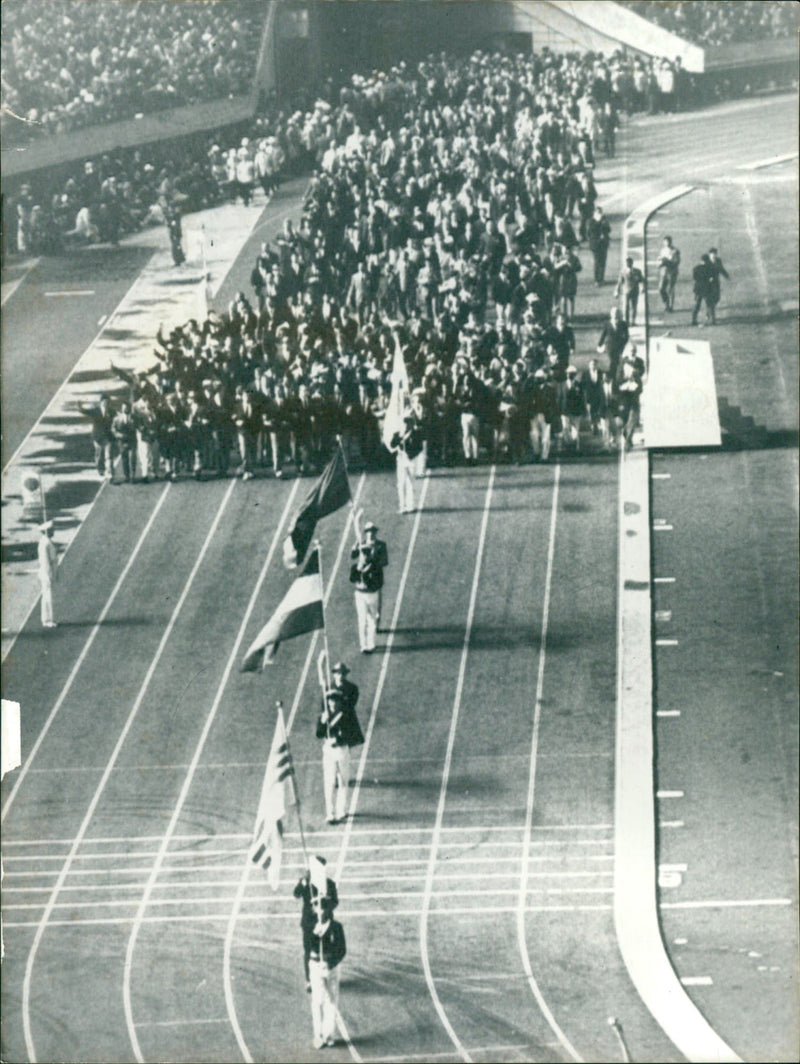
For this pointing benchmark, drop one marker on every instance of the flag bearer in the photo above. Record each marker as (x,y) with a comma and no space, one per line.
(407,445)
(313,884)
(48,571)
(328,949)
(366,573)
(339,729)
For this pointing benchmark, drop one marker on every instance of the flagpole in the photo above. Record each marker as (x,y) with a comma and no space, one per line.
(279,706)
(318,547)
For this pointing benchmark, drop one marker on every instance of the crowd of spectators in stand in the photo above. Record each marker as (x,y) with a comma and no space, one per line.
(443,218)
(68,64)
(712,24)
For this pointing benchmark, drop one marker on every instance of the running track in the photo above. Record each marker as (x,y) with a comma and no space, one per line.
(475,871)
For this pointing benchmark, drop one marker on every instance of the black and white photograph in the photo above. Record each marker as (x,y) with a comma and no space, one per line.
(400,574)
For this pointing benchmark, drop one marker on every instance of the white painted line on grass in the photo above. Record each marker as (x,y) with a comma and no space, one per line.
(537,716)
(663,579)
(435,840)
(51,904)
(661,526)
(661,476)
(669,794)
(663,615)
(668,712)
(666,642)
(697,980)
(82,657)
(670,823)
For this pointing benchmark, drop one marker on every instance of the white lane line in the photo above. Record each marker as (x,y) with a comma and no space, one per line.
(661,526)
(137,923)
(62,555)
(524,889)
(400,1058)
(663,579)
(221,869)
(51,904)
(663,615)
(729,903)
(448,759)
(180,1023)
(206,918)
(697,980)
(362,764)
(670,823)
(82,657)
(66,380)
(377,877)
(470,911)
(10,287)
(71,292)
(661,476)
(668,712)
(669,794)
(369,848)
(227,899)
(666,642)
(771,160)
(234,915)
(361,832)
(764,291)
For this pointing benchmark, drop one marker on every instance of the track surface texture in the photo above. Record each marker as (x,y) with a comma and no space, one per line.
(475,869)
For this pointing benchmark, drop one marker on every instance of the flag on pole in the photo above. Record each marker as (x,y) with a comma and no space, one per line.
(331,492)
(277,794)
(300,612)
(393,418)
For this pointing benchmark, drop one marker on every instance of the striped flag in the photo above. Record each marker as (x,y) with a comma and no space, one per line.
(300,612)
(396,408)
(277,794)
(331,492)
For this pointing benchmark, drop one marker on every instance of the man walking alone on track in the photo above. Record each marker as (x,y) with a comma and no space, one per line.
(716,270)
(339,729)
(370,556)
(669,260)
(328,950)
(48,571)
(314,885)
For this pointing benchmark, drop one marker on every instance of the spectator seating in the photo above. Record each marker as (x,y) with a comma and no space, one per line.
(66,65)
(711,23)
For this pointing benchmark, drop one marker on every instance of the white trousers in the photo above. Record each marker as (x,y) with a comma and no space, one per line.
(47,599)
(469,435)
(147,453)
(540,437)
(324,999)
(335,779)
(367,613)
(405,482)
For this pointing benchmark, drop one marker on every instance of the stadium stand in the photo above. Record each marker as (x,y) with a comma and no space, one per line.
(67,65)
(711,25)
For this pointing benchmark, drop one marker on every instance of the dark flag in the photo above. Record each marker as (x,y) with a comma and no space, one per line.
(331,492)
